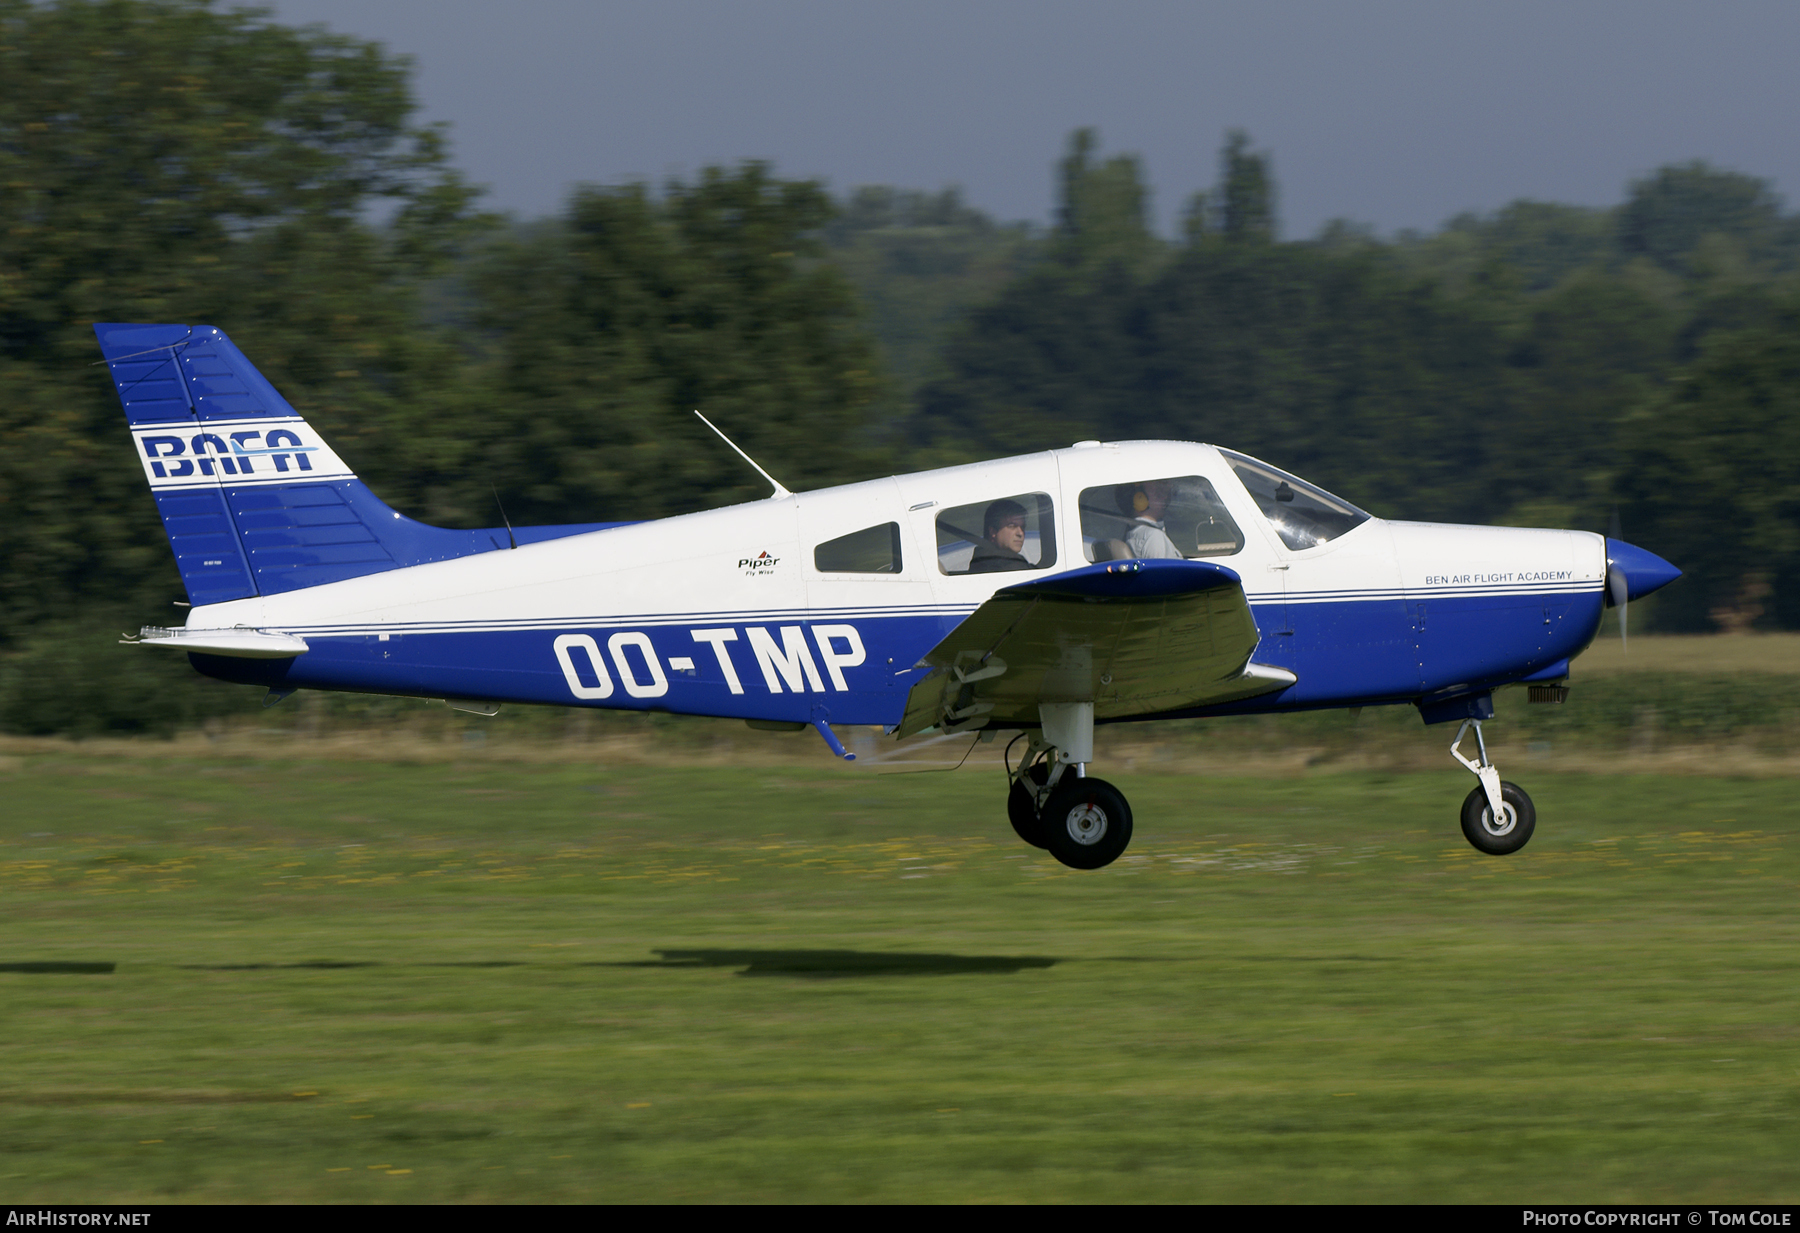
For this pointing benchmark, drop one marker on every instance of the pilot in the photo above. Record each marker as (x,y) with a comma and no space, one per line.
(1144,505)
(1001,547)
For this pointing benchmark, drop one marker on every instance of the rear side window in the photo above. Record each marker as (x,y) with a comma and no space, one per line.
(991,537)
(872,550)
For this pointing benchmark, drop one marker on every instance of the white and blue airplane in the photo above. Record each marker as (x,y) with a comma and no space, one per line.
(1046,593)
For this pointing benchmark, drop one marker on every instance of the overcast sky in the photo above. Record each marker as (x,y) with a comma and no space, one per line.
(1387,112)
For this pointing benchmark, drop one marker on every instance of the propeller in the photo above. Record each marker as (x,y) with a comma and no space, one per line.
(1618,587)
(1620,592)
(1632,573)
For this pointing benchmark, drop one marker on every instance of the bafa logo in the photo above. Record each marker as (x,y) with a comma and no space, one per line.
(761,563)
(280,446)
(234,452)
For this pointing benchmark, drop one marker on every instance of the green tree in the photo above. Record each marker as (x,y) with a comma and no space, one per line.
(1670,212)
(1247,192)
(607,330)
(1241,207)
(162,160)
(1333,364)
(1102,215)
(1712,479)
(1052,360)
(1588,352)
(1054,353)
(1542,242)
(920,262)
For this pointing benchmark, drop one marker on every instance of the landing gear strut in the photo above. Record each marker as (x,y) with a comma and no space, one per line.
(1054,803)
(1497,817)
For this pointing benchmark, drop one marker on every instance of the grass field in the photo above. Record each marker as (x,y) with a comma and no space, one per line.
(226,979)
(1772,653)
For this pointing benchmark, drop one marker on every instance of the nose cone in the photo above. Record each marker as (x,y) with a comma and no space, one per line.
(1642,571)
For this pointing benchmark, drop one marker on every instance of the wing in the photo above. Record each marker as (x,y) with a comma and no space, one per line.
(1132,637)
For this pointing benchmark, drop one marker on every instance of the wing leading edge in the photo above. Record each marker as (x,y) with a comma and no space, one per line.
(1132,637)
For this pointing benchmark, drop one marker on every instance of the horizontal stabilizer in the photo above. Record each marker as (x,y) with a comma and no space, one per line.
(235,643)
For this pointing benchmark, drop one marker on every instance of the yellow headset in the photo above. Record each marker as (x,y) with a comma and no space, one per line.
(1139,502)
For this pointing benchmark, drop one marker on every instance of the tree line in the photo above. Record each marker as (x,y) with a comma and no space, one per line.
(165,160)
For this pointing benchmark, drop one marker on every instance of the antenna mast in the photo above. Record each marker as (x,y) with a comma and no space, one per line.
(780,490)
(510,537)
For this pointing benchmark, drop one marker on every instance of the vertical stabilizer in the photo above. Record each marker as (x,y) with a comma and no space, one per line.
(253,499)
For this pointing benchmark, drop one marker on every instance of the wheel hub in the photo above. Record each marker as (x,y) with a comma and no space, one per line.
(1086,823)
(1509,818)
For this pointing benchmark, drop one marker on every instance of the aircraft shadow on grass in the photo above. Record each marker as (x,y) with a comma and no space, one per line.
(840,963)
(334,964)
(813,963)
(320,964)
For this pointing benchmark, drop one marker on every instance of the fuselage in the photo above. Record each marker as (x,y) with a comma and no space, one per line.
(771,610)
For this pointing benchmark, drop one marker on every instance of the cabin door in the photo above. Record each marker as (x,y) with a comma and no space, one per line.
(866,595)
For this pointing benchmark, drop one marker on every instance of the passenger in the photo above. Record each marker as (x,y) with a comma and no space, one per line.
(1144,504)
(1004,532)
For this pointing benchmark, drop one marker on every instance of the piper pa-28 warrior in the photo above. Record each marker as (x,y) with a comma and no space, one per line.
(1046,593)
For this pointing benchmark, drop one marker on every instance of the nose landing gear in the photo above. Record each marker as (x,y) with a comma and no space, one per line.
(1053,803)
(1497,818)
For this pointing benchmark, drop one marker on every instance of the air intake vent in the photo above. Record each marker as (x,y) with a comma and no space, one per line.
(1547,693)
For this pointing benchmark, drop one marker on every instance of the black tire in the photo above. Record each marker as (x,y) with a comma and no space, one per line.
(1087,822)
(1477,821)
(1022,810)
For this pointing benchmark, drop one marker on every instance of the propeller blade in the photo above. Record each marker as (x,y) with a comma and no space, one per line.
(1620,590)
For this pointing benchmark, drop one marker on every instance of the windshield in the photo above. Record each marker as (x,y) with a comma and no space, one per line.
(1303,515)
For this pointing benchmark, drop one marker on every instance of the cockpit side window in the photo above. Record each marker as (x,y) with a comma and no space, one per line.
(872,550)
(1304,516)
(991,537)
(1179,517)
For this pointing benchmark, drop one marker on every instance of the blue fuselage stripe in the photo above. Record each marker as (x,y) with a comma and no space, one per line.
(1349,653)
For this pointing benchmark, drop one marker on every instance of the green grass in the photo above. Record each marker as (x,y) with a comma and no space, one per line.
(338,981)
(1760,654)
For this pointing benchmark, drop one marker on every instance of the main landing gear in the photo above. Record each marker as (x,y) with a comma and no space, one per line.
(1055,804)
(1497,817)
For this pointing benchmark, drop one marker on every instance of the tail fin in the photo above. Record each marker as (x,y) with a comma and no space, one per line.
(253,499)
